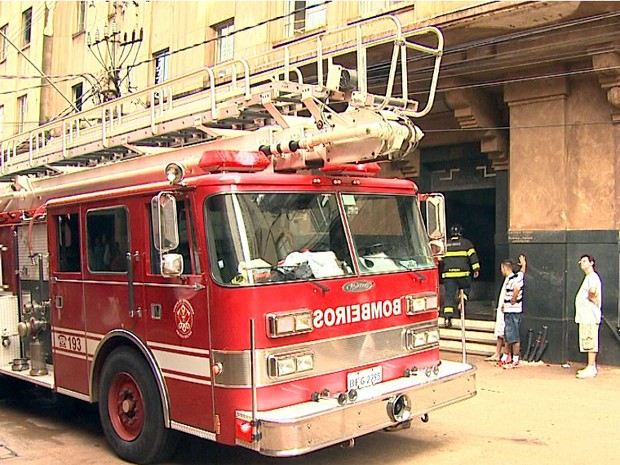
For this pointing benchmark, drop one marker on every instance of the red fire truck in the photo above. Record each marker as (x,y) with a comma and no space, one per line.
(260,287)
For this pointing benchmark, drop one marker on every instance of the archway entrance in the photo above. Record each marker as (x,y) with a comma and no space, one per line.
(475,199)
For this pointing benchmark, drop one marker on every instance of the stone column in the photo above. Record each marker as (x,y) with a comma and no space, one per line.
(538,202)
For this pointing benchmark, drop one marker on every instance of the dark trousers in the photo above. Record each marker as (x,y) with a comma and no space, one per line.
(450,300)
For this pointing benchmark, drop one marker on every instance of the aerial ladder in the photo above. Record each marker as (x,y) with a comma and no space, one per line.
(299,123)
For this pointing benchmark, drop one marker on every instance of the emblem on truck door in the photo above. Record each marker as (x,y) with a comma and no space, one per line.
(184,318)
(358,286)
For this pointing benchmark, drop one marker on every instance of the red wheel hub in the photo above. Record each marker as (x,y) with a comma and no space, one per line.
(125,406)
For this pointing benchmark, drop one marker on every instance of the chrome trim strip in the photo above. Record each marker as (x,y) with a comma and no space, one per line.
(179,286)
(119,283)
(92,281)
(330,355)
(187,379)
(190,350)
(302,428)
(70,393)
(201,433)
(182,364)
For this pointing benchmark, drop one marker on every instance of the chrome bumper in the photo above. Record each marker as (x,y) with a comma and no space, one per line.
(302,428)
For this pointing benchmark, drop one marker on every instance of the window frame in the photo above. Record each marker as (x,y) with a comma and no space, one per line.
(1,122)
(3,42)
(193,267)
(80,16)
(78,100)
(161,57)
(307,20)
(60,255)
(26,27)
(88,237)
(224,41)
(22,112)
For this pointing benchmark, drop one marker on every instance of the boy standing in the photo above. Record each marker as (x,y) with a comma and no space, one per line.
(499,318)
(512,309)
(588,314)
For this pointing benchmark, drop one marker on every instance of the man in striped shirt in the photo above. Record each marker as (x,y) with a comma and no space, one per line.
(513,309)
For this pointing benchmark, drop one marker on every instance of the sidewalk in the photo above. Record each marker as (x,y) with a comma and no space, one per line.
(537,412)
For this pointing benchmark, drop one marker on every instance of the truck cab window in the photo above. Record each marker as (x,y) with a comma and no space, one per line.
(187,247)
(68,243)
(108,240)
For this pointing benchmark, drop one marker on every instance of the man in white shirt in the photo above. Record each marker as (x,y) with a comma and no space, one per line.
(512,309)
(506,269)
(588,304)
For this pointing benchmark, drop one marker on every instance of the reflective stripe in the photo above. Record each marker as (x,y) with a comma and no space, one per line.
(457,253)
(448,310)
(455,274)
(476,266)
(470,252)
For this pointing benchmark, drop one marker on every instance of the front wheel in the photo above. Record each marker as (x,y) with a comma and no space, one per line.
(130,410)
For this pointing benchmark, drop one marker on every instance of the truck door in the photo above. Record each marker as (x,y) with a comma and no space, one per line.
(114,281)
(69,345)
(176,310)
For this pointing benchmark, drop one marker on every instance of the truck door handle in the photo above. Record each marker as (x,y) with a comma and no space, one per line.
(132,298)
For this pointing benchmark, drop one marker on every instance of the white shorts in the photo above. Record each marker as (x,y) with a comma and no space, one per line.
(499,324)
(588,337)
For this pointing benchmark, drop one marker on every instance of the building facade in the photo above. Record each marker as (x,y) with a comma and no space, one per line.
(523,138)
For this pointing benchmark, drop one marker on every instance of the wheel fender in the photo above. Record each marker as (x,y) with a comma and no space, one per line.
(123,337)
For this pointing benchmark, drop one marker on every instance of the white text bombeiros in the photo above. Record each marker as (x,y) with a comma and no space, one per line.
(355,313)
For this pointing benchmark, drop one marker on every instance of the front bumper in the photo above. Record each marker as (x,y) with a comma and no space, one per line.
(302,428)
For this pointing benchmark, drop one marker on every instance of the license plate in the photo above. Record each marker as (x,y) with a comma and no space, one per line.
(364,378)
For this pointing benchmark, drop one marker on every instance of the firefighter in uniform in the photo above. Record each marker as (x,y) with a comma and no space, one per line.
(457,268)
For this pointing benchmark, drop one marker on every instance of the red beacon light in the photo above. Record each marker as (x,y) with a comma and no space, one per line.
(217,161)
(364,170)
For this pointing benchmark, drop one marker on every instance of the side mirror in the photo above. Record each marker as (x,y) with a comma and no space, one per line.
(165,223)
(172,264)
(436,222)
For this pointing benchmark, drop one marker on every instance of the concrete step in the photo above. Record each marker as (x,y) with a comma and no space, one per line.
(479,337)
(471,348)
(470,324)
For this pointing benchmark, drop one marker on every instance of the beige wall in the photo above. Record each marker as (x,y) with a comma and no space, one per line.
(562,174)
(62,50)
(16,65)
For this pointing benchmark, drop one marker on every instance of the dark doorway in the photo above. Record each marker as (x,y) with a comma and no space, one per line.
(474,210)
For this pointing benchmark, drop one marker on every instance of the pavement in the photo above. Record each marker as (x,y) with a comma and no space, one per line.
(537,413)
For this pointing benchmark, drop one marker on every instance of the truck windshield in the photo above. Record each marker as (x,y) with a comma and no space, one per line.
(387,232)
(275,237)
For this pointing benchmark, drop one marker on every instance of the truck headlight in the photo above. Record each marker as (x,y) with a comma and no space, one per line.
(288,364)
(305,362)
(420,303)
(420,338)
(289,323)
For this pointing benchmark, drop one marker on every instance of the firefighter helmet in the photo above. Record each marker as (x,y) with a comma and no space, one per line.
(456,230)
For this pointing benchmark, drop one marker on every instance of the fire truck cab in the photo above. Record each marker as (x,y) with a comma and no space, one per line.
(264,288)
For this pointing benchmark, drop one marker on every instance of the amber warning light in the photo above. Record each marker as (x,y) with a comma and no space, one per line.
(216,161)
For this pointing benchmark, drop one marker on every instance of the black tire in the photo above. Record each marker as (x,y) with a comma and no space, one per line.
(130,410)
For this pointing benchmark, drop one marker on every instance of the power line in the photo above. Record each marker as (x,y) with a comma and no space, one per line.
(58,76)
(38,86)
